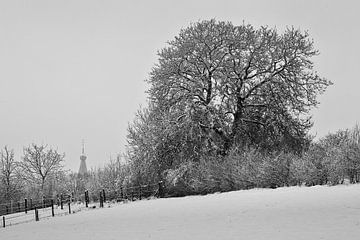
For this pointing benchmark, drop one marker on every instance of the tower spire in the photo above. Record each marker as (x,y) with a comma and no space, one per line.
(83,168)
(83,147)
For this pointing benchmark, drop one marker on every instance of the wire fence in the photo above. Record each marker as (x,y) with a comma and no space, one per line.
(29,210)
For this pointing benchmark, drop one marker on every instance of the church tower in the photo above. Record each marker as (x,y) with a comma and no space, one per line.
(82,169)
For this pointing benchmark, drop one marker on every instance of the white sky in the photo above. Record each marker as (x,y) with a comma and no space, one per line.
(73,70)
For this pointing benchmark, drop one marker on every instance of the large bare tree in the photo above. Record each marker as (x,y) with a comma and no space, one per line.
(39,163)
(238,84)
(218,87)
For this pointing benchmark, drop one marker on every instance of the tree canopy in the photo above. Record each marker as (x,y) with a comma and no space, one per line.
(218,86)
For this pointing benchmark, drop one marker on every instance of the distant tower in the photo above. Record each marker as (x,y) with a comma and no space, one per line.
(82,169)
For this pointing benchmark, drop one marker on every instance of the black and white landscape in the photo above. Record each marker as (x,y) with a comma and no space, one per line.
(179,119)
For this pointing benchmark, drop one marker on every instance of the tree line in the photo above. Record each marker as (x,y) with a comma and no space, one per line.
(40,173)
(332,159)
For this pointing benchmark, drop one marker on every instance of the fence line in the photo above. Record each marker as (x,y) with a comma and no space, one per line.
(28,210)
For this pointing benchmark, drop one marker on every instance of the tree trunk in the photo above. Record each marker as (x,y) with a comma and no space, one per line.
(236,125)
(42,186)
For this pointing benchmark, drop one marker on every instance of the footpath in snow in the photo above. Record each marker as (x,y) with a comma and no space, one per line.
(319,212)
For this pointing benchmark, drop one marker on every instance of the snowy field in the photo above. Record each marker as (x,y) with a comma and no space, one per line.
(318,212)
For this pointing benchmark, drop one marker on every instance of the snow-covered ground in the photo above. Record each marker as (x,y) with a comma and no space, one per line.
(318,212)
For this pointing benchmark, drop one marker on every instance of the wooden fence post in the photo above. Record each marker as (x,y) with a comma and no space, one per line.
(104,196)
(36,214)
(161,191)
(52,208)
(140,192)
(69,203)
(86,198)
(3,221)
(61,202)
(101,200)
(26,205)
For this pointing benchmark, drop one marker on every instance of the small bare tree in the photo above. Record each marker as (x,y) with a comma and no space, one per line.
(8,167)
(39,163)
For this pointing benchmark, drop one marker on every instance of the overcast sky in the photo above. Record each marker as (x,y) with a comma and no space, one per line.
(73,70)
